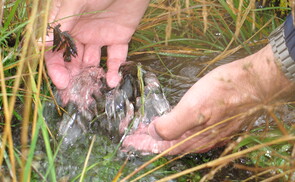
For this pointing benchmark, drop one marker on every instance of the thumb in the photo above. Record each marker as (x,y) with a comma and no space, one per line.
(65,13)
(62,12)
(181,119)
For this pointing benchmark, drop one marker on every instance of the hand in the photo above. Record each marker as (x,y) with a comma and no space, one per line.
(225,92)
(112,25)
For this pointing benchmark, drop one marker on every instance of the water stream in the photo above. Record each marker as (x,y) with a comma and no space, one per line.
(176,75)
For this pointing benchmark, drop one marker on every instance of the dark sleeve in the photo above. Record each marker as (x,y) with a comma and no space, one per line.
(289,32)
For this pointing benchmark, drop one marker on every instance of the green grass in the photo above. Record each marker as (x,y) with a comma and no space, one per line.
(180,29)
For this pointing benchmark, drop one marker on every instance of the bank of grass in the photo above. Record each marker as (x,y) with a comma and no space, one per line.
(174,28)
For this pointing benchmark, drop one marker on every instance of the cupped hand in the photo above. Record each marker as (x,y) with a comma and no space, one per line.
(93,24)
(227,91)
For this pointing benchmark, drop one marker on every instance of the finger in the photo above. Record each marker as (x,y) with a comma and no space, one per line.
(57,71)
(145,143)
(54,9)
(116,56)
(91,55)
(55,5)
(190,112)
(172,125)
(67,14)
(60,9)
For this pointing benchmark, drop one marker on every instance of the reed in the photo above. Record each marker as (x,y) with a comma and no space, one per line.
(170,28)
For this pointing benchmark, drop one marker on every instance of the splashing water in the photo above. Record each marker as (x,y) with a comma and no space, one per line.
(80,101)
(124,104)
(87,97)
(83,88)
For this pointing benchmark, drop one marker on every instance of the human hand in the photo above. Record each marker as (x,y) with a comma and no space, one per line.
(227,91)
(111,24)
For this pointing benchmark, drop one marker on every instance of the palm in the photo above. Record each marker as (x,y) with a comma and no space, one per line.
(110,24)
(101,33)
(105,28)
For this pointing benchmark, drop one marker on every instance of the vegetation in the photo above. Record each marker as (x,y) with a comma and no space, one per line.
(170,28)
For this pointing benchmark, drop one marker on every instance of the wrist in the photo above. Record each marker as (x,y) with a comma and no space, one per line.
(263,70)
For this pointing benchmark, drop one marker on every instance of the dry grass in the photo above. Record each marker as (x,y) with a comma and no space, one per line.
(170,28)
